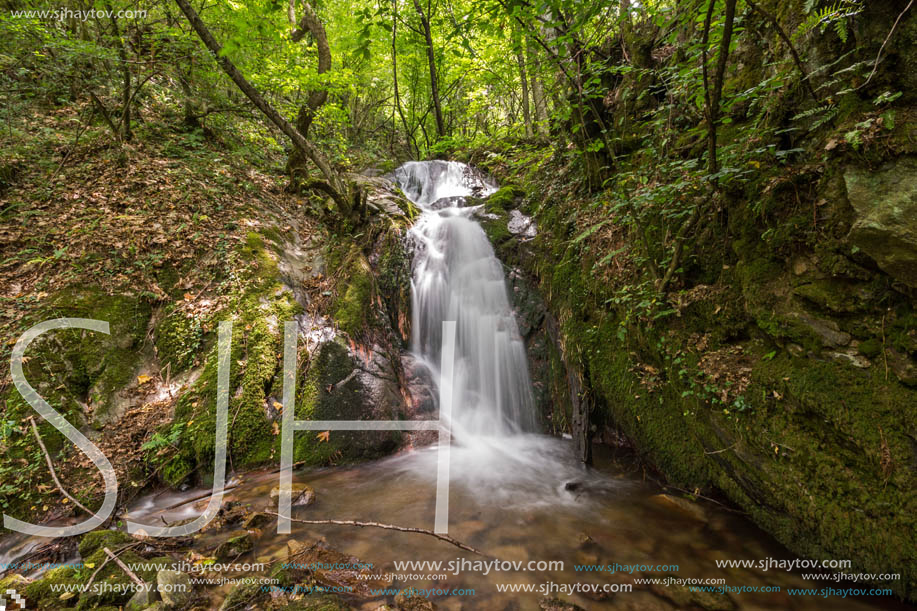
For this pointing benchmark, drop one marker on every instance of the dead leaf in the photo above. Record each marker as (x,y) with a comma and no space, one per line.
(323,436)
(143,379)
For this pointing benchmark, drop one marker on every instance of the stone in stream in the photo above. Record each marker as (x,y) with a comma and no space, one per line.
(556,604)
(309,559)
(414,603)
(141,600)
(301,494)
(256,519)
(238,543)
(684,598)
(174,588)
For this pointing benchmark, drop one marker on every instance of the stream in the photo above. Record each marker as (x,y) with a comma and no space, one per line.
(515,494)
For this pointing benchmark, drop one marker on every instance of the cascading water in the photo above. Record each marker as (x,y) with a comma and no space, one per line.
(458,277)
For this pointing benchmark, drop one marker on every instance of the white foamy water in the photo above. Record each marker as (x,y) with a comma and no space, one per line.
(457,276)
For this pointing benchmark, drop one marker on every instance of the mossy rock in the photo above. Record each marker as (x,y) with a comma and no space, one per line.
(353,307)
(179,338)
(322,398)
(505,198)
(70,365)
(95,540)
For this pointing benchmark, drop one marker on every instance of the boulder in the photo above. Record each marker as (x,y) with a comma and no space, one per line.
(174,588)
(141,600)
(240,542)
(885,228)
(301,494)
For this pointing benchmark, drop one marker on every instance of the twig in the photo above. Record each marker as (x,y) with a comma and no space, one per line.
(51,468)
(721,451)
(125,568)
(350,376)
(406,529)
(104,562)
(875,66)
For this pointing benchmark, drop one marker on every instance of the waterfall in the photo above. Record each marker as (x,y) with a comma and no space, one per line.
(457,276)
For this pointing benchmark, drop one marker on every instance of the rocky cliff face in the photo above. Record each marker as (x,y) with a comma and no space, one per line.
(780,369)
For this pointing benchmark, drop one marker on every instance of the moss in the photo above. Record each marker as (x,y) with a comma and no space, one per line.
(353,305)
(320,399)
(497,229)
(178,338)
(95,540)
(257,315)
(42,597)
(870,348)
(505,198)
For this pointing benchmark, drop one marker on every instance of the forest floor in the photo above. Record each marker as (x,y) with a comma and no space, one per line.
(154,218)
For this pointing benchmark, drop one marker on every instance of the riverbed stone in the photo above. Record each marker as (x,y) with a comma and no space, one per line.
(684,598)
(239,542)
(414,603)
(141,600)
(175,588)
(885,228)
(301,494)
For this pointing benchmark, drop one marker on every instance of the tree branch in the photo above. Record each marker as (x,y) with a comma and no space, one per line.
(406,529)
(299,141)
(60,486)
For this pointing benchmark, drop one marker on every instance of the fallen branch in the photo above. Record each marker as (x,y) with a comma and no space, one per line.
(60,486)
(125,568)
(102,566)
(405,529)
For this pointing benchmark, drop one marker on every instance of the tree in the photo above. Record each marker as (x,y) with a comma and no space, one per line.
(333,186)
(431,59)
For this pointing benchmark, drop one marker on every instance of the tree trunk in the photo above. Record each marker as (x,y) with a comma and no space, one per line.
(309,23)
(712,98)
(125,129)
(538,96)
(335,188)
(519,47)
(408,134)
(431,59)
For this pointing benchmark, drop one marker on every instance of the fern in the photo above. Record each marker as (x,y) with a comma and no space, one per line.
(835,14)
(828,112)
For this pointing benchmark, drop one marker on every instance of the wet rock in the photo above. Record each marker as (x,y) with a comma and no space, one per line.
(556,604)
(456,201)
(141,600)
(302,495)
(174,588)
(414,603)
(258,519)
(683,506)
(330,568)
(419,384)
(684,598)
(826,330)
(885,202)
(240,542)
(521,226)
(904,367)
